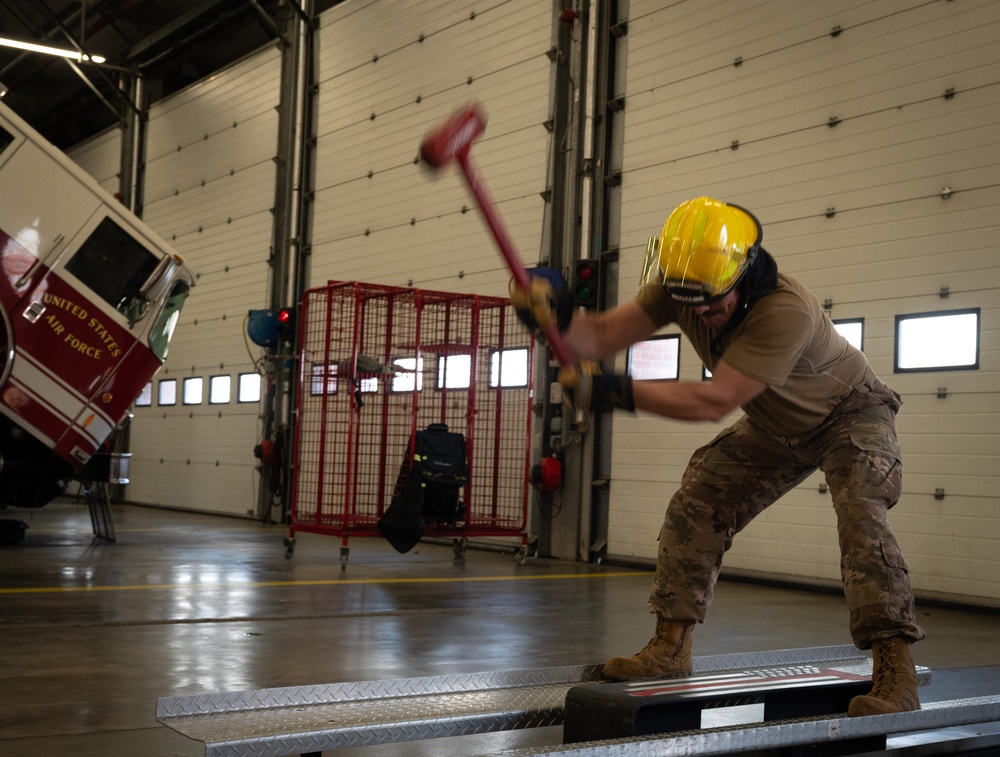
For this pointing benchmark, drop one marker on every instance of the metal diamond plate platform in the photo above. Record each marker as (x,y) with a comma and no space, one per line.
(300,720)
(787,734)
(309,719)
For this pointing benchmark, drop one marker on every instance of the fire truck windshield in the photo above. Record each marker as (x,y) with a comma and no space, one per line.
(115,266)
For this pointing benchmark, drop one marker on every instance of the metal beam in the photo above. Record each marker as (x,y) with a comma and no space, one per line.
(180,25)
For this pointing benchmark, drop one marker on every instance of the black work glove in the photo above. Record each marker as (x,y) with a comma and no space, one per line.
(544,302)
(586,389)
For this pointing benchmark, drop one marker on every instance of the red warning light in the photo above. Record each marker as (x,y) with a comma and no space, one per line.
(286,318)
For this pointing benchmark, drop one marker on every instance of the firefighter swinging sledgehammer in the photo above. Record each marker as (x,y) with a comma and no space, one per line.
(810,401)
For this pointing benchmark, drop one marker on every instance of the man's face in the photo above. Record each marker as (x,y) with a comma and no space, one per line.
(716,314)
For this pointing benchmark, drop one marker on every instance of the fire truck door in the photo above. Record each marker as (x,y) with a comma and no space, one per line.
(82,335)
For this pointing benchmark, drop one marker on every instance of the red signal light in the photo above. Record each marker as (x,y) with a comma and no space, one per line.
(585,282)
(286,321)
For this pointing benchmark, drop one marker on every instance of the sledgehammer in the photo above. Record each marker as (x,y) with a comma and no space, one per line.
(452,141)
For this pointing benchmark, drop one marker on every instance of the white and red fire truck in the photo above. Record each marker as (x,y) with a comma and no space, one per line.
(89,297)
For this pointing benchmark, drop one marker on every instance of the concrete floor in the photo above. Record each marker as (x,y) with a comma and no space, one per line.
(182,604)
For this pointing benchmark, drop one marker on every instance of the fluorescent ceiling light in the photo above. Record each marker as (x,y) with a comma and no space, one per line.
(32,47)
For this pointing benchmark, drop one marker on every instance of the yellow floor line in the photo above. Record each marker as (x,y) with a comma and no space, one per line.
(320,582)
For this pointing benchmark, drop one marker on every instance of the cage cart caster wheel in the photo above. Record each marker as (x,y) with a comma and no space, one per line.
(458,547)
(522,555)
(344,552)
(289,548)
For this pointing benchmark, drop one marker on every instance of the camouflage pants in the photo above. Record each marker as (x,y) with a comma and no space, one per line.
(745,469)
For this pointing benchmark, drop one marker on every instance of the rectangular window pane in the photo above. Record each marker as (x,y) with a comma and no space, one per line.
(145,398)
(249,388)
(323,379)
(853,330)
(218,390)
(454,372)
(509,368)
(943,341)
(167,392)
(409,373)
(193,388)
(655,359)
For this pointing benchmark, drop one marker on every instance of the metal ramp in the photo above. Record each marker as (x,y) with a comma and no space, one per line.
(309,719)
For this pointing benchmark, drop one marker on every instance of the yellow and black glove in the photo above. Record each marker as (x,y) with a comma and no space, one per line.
(547,300)
(587,390)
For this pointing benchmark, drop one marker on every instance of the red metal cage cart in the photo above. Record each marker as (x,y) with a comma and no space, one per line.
(376,365)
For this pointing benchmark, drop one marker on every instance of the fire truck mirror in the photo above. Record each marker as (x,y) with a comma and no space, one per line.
(136,309)
(160,278)
(162,329)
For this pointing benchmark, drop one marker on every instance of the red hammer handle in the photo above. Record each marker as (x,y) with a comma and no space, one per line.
(453,142)
(506,245)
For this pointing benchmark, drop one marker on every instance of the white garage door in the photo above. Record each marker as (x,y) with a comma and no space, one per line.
(839,124)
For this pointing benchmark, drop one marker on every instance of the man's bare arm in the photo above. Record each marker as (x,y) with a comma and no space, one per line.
(597,336)
(698,400)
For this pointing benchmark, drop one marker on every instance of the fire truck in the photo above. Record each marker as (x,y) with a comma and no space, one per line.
(89,298)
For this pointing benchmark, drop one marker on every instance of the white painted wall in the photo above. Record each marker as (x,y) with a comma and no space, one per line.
(384,219)
(100,156)
(209,191)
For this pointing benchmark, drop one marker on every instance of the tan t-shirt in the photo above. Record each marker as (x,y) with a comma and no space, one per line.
(787,342)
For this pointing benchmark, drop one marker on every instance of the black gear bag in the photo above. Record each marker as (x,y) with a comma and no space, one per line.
(431,478)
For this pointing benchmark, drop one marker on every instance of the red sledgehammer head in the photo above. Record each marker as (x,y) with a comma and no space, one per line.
(452,140)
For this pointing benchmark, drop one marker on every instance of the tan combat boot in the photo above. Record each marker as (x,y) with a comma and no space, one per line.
(894,680)
(667,655)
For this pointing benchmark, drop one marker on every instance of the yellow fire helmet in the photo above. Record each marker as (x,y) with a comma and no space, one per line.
(705,248)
